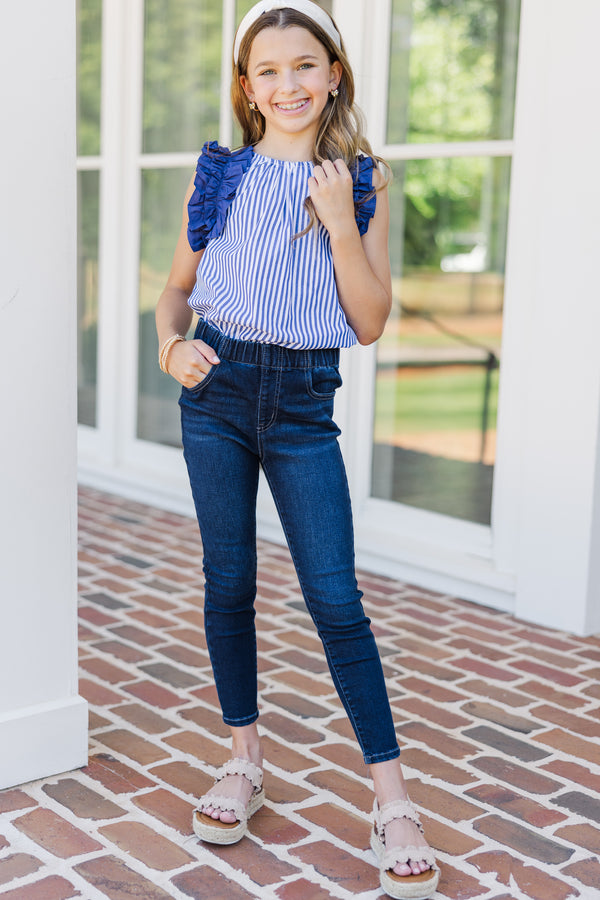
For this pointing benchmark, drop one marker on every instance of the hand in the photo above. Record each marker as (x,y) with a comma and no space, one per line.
(331,191)
(189,362)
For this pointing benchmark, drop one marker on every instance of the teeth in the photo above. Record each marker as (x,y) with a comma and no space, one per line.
(291,105)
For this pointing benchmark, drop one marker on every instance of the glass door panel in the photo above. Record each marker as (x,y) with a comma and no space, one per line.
(162,197)
(88,204)
(89,67)
(452,78)
(438,361)
(182,93)
(452,70)
(182,74)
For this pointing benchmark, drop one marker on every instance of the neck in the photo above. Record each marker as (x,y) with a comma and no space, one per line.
(290,150)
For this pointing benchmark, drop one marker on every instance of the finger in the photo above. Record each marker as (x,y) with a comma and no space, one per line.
(206,352)
(341,168)
(328,168)
(188,364)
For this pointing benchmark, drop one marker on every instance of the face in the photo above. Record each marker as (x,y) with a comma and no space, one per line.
(289,78)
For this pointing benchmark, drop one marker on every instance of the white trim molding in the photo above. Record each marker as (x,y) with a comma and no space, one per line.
(43,740)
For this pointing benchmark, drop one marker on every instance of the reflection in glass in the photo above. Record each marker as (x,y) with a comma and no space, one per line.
(162,197)
(88,188)
(182,74)
(452,70)
(89,66)
(437,362)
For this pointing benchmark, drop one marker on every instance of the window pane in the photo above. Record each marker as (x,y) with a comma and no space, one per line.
(162,197)
(88,191)
(437,363)
(89,60)
(452,70)
(182,74)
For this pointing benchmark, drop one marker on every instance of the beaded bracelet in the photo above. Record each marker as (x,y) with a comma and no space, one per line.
(166,349)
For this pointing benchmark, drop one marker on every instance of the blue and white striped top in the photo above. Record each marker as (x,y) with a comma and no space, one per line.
(254,282)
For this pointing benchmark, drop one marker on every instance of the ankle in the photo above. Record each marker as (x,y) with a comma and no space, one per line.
(251,753)
(245,744)
(388,782)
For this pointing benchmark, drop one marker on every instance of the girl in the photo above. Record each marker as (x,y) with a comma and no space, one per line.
(281,281)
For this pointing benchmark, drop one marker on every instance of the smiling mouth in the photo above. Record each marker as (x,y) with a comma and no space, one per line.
(291,107)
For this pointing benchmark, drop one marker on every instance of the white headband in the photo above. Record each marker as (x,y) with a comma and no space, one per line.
(306,7)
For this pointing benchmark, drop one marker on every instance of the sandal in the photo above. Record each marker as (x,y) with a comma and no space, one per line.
(403,887)
(213,830)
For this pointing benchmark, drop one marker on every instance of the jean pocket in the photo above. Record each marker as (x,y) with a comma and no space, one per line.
(202,385)
(323,381)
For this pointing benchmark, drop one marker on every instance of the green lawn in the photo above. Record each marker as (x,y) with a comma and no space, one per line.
(449,399)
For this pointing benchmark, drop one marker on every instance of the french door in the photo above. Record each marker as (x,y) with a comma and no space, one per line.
(436,80)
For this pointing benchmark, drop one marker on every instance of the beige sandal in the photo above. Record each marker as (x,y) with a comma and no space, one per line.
(402,887)
(213,830)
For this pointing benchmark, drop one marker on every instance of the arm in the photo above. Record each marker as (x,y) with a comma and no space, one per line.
(188,361)
(362,267)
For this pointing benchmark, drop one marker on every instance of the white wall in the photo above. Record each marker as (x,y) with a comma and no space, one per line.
(550,395)
(43,723)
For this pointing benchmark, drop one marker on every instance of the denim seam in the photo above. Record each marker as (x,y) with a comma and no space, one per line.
(213,657)
(245,720)
(344,691)
(261,429)
(375,758)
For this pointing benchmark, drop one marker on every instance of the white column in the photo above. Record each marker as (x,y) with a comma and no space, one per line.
(43,722)
(550,403)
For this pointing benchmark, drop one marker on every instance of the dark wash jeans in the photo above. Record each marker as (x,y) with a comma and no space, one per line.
(269,406)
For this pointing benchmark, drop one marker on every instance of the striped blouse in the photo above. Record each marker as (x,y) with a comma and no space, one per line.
(254,282)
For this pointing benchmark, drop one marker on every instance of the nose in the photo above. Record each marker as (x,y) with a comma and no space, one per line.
(289,81)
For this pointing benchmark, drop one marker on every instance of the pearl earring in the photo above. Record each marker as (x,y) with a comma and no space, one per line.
(252,105)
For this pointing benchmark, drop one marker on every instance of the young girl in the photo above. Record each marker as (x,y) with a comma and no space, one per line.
(283,254)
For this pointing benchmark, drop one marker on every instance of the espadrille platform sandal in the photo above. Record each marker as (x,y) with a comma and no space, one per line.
(402,887)
(213,830)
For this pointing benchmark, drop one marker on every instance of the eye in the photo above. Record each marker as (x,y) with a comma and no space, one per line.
(307,65)
(268,72)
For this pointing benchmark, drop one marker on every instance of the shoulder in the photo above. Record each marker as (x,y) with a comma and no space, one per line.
(215,159)
(366,178)
(219,171)
(367,172)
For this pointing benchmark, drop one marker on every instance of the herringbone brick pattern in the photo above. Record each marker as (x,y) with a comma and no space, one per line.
(499,723)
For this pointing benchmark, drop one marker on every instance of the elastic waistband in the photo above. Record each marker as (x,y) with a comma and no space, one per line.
(255,353)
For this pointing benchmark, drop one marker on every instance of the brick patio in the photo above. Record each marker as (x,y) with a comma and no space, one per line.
(499,723)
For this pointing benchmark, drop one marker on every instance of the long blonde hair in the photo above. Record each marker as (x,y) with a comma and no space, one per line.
(341,129)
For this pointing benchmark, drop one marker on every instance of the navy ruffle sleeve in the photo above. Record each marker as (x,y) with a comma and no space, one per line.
(218,174)
(365,198)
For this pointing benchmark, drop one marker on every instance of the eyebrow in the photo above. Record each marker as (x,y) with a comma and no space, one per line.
(269,62)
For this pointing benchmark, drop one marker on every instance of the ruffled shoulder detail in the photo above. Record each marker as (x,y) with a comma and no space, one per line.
(365,198)
(218,174)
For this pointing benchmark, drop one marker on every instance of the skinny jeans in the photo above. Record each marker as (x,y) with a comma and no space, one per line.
(269,406)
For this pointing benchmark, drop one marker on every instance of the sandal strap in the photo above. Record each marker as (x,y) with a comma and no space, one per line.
(404,855)
(225,804)
(239,766)
(396,809)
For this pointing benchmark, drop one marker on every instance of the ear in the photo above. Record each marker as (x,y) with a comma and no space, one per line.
(247,87)
(335,75)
